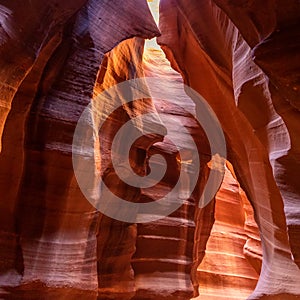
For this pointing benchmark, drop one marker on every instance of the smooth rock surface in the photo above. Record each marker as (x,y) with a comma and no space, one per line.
(212,61)
(57,57)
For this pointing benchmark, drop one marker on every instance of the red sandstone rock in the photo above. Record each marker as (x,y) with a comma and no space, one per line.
(225,273)
(116,239)
(165,257)
(242,56)
(50,228)
(215,61)
(273,38)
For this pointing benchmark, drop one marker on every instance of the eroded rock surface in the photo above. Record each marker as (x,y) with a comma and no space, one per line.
(56,57)
(215,60)
(231,266)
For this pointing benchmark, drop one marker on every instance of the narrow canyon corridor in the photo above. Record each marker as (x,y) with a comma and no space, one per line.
(150,149)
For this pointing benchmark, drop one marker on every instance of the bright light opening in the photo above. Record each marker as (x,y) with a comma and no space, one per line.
(154,8)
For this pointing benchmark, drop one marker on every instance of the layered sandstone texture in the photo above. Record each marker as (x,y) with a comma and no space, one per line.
(219,58)
(57,58)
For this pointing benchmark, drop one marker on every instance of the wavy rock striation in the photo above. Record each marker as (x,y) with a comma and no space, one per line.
(57,57)
(217,63)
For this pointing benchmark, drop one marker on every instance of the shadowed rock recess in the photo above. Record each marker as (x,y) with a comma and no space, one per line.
(59,56)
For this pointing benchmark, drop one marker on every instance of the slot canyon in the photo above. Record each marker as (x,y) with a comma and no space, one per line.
(210,91)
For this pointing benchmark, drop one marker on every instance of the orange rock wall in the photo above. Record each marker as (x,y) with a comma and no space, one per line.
(56,57)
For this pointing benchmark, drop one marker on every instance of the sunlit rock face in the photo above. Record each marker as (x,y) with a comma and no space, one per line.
(57,57)
(116,240)
(212,54)
(48,229)
(168,251)
(274,42)
(231,266)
